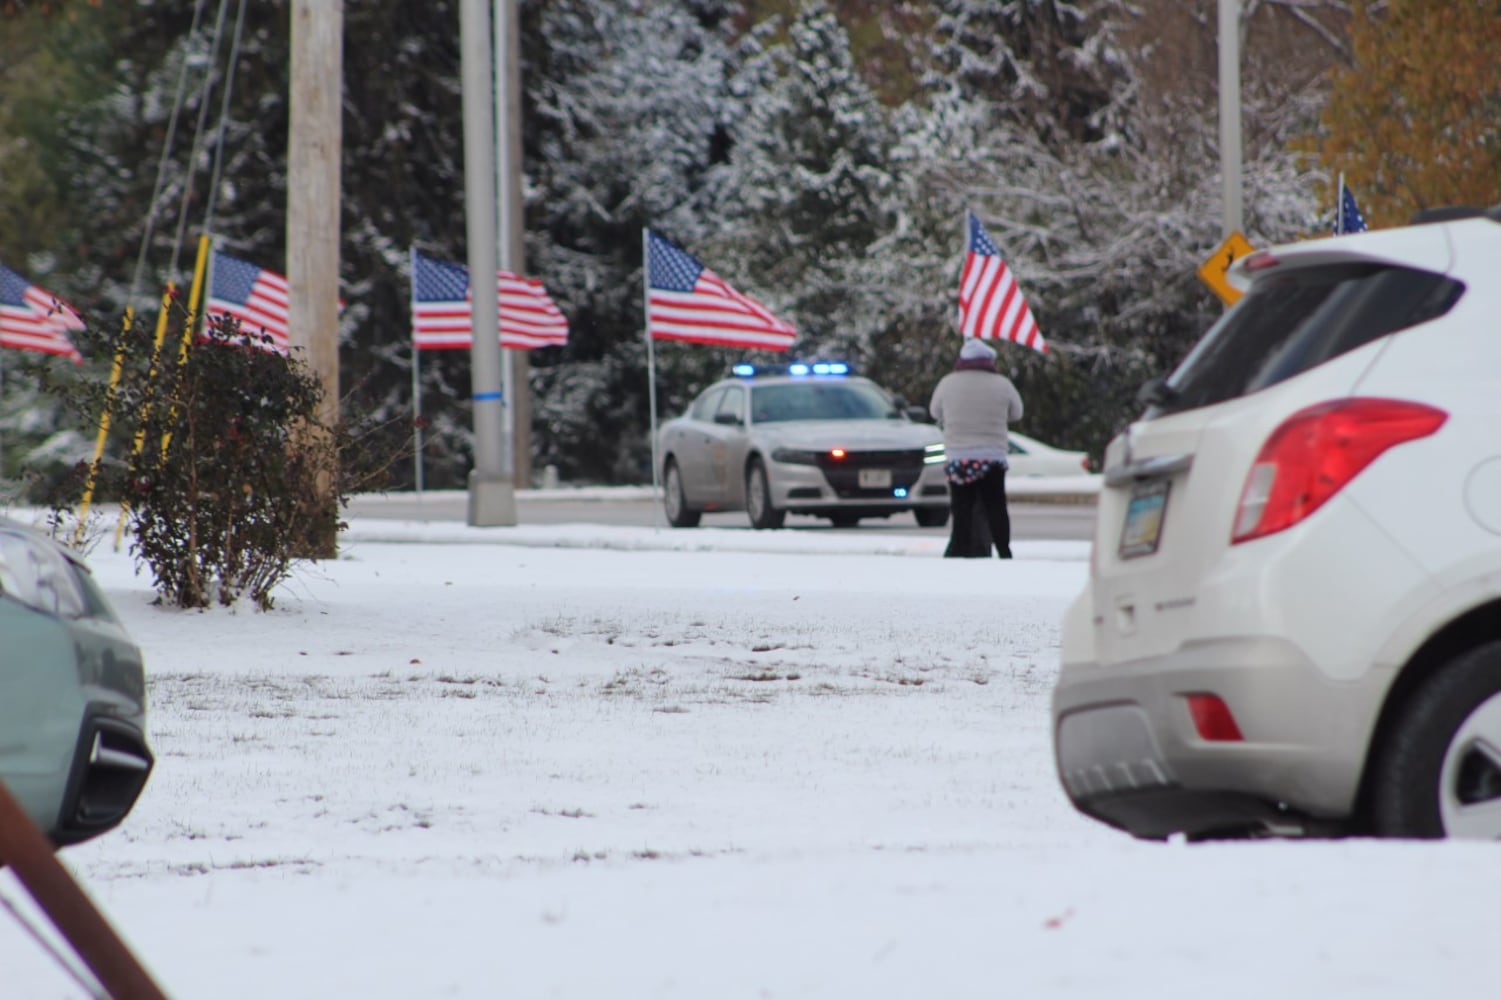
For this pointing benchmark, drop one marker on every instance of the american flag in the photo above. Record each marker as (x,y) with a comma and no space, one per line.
(253,295)
(32,319)
(442,318)
(1350,220)
(687,301)
(991,305)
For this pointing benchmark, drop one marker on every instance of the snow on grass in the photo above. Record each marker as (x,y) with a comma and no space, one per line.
(612,762)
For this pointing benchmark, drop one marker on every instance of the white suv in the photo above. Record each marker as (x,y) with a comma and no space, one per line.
(1293,619)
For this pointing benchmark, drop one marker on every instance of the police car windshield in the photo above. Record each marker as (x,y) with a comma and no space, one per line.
(820,400)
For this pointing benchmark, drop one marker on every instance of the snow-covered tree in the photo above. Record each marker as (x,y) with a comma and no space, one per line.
(1083,133)
(627,113)
(1103,225)
(1050,65)
(806,192)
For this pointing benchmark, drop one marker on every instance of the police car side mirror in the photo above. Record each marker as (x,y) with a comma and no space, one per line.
(919,414)
(728,419)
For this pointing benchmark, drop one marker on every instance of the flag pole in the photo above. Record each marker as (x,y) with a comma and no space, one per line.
(651,355)
(964,231)
(169,295)
(417,416)
(416,388)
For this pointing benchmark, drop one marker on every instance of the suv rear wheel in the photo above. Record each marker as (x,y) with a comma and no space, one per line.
(1439,773)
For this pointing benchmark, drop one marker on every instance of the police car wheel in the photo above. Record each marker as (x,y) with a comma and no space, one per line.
(931,517)
(676,505)
(758,499)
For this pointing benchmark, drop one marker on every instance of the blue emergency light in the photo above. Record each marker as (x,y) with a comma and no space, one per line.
(795,368)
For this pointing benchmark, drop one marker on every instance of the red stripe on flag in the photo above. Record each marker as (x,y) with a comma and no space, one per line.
(25,329)
(528,318)
(992,305)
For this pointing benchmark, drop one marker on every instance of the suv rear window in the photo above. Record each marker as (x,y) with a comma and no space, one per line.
(1292,322)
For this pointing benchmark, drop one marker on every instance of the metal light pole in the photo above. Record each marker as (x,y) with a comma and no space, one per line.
(1230,140)
(492,496)
(511,245)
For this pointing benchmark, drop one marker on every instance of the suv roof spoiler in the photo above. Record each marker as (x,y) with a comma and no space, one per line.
(1449,213)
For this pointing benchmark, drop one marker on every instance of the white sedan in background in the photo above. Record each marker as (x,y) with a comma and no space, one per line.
(1030,457)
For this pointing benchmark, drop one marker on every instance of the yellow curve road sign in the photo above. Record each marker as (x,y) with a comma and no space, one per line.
(1212,271)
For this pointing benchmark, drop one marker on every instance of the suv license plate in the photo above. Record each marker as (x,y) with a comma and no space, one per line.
(875,479)
(1144,516)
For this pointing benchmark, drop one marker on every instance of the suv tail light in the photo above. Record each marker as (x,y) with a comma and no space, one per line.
(1316,451)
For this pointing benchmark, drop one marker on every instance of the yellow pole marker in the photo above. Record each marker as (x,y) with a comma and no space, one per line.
(195,295)
(109,401)
(204,242)
(140,439)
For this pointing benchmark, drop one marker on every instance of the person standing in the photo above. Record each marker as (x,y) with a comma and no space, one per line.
(973,405)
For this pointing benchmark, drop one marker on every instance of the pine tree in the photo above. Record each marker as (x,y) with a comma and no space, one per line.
(1082,133)
(807,190)
(1050,64)
(627,114)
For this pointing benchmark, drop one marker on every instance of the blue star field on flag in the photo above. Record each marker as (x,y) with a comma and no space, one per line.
(669,268)
(1350,219)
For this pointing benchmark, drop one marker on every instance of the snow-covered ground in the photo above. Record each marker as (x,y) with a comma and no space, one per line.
(577,761)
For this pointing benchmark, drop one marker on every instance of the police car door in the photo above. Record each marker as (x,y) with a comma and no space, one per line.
(727,443)
(690,444)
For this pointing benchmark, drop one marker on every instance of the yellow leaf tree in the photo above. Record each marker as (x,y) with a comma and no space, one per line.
(1414,121)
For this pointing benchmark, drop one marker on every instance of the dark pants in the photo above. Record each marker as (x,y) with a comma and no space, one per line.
(974,507)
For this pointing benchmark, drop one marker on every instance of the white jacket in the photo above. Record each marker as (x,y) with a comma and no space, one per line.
(973,407)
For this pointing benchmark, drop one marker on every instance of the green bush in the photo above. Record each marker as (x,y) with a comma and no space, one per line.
(230,478)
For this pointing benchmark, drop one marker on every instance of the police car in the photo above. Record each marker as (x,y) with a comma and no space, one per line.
(803,438)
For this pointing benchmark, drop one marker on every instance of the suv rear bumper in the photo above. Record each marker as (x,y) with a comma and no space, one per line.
(1128,752)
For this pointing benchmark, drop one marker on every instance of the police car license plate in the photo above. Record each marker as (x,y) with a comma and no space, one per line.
(875,479)
(1144,516)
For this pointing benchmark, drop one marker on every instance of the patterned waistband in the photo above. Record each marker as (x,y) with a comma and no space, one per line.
(963,471)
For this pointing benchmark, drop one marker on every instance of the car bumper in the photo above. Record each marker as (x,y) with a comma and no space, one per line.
(74,753)
(804,489)
(1128,752)
(107,765)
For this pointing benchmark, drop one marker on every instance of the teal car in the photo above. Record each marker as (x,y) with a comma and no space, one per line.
(73,745)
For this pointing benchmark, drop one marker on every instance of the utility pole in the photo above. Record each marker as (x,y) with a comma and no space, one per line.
(1230,138)
(314,149)
(492,495)
(517,425)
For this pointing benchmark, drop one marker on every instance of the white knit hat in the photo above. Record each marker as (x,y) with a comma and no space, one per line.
(975,349)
